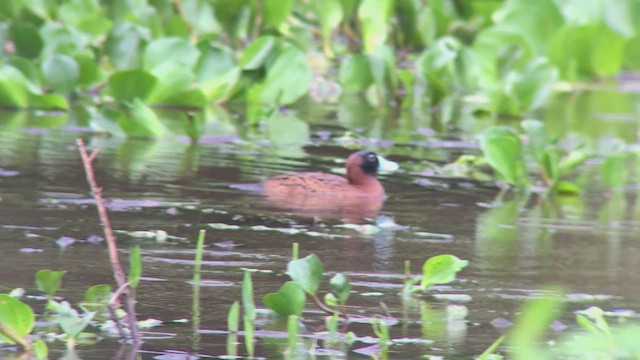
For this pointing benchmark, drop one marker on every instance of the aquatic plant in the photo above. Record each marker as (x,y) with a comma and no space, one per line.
(266,54)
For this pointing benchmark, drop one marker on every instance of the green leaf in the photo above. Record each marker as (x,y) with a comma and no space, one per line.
(124,43)
(330,15)
(288,300)
(441,269)
(255,55)
(13,87)
(529,328)
(62,72)
(26,39)
(503,151)
(551,163)
(48,101)
(569,162)
(247,297)
(40,349)
(128,85)
(16,316)
(49,281)
(172,80)
(70,321)
(307,272)
(233,317)
(171,50)
(141,122)
(373,16)
(90,71)
(135,267)
(614,170)
(355,73)
(98,293)
(486,355)
(566,188)
(340,285)
(276,12)
(537,140)
(288,78)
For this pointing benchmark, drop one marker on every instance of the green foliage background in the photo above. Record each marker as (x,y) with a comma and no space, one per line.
(269,53)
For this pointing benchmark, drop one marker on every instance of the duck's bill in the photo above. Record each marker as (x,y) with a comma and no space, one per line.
(387,165)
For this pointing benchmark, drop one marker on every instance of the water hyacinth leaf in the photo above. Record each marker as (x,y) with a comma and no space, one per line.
(537,140)
(71,322)
(288,78)
(254,56)
(340,285)
(355,73)
(171,50)
(503,151)
(141,122)
(49,281)
(288,300)
(16,316)
(26,39)
(48,101)
(575,158)
(90,72)
(276,13)
(614,170)
(13,87)
(214,61)
(524,89)
(62,72)
(98,293)
(220,88)
(172,79)
(441,269)
(330,15)
(135,267)
(128,85)
(307,272)
(247,298)
(373,16)
(123,45)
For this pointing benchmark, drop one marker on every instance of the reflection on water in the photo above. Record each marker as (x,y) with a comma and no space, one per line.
(516,244)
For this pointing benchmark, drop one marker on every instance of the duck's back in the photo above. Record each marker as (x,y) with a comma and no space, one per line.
(307,183)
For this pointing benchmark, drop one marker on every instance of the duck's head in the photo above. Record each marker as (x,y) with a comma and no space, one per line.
(365,164)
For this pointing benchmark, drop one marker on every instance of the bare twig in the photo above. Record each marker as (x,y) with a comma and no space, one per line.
(118,273)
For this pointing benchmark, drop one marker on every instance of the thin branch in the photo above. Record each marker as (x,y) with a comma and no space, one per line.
(118,273)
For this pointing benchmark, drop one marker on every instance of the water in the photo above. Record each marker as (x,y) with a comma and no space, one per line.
(517,246)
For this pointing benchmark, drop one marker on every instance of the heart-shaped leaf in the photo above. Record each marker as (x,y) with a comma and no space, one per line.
(98,293)
(289,300)
(49,281)
(340,285)
(307,272)
(70,321)
(441,269)
(503,151)
(16,316)
(129,85)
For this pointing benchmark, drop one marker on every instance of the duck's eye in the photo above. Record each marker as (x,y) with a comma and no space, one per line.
(372,157)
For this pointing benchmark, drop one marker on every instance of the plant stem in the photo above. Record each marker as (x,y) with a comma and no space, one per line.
(118,273)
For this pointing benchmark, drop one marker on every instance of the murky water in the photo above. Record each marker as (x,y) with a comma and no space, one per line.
(516,246)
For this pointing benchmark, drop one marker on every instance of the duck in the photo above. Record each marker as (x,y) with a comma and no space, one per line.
(358,195)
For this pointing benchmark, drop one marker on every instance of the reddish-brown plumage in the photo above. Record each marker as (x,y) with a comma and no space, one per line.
(357,183)
(357,196)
